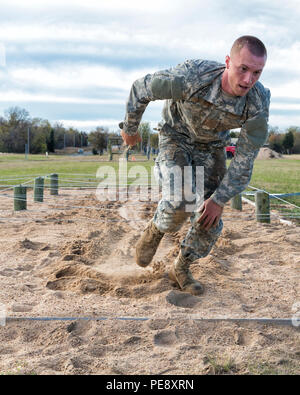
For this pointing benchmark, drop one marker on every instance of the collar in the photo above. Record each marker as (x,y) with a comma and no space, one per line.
(213,93)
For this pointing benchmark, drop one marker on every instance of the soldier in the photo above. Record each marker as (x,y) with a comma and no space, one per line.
(203,99)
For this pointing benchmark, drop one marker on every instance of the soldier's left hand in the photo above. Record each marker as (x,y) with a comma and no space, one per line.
(211,214)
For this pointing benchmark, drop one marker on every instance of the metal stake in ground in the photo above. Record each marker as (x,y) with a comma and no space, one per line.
(39,189)
(54,184)
(262,207)
(20,202)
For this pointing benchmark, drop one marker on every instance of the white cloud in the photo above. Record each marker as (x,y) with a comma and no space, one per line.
(286,106)
(290,89)
(286,58)
(61,52)
(95,5)
(88,125)
(75,77)
(40,32)
(20,96)
(284,121)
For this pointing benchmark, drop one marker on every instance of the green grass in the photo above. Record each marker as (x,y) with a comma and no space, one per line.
(279,176)
(19,369)
(287,367)
(217,367)
(274,176)
(12,166)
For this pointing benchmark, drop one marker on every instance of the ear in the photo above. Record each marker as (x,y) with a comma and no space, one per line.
(227,61)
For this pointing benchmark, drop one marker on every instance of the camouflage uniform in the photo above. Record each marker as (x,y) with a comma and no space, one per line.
(196,117)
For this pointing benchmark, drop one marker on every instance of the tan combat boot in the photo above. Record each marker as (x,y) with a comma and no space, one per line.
(147,244)
(181,274)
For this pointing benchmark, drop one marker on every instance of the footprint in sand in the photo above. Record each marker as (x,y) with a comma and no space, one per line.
(7,350)
(21,307)
(7,272)
(133,340)
(97,351)
(32,245)
(182,299)
(165,338)
(79,278)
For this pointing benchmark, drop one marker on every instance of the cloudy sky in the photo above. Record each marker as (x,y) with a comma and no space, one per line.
(74,61)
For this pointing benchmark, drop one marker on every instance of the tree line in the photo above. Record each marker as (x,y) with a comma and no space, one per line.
(17,129)
(287,142)
(102,140)
(283,142)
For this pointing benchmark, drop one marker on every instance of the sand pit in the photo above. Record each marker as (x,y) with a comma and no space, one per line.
(73,256)
(267,153)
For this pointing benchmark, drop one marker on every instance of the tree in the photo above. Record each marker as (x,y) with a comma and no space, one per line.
(296,147)
(39,130)
(84,139)
(98,139)
(273,129)
(296,133)
(145,133)
(17,116)
(50,141)
(154,138)
(234,134)
(59,135)
(275,141)
(288,141)
(17,123)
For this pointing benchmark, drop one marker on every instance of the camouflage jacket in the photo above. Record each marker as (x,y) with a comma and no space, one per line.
(196,105)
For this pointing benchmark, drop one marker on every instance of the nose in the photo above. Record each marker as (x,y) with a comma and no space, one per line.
(248,78)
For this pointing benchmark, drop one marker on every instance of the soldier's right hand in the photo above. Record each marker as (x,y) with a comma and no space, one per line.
(130,140)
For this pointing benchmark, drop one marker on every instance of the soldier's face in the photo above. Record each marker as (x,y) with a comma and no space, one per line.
(243,71)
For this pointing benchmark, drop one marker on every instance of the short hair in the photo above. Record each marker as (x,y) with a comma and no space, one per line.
(255,46)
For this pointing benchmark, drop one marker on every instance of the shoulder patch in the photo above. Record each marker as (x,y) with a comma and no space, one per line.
(257,131)
(163,88)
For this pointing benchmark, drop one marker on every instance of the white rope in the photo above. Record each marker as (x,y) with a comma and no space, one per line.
(126,193)
(275,197)
(17,185)
(263,321)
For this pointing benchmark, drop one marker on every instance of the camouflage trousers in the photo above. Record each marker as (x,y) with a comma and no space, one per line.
(179,152)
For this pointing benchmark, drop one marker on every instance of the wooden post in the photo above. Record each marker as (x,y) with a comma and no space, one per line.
(54,184)
(20,202)
(236,202)
(39,189)
(262,207)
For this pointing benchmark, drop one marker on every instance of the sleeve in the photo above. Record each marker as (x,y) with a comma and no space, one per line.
(252,137)
(166,84)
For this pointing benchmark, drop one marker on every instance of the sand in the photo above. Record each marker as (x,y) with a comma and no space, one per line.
(73,256)
(267,153)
